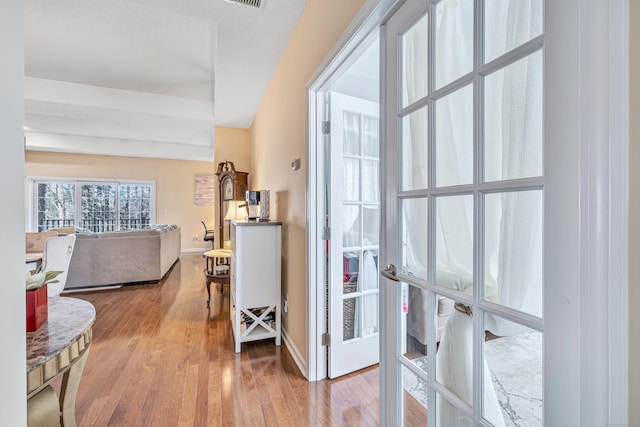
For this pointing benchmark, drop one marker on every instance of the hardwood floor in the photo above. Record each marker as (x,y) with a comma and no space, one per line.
(160,357)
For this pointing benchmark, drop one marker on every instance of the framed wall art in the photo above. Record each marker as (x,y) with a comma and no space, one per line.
(204,188)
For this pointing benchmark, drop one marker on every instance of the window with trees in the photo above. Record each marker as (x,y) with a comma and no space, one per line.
(90,205)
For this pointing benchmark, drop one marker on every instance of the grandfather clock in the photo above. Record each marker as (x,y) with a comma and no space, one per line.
(232,185)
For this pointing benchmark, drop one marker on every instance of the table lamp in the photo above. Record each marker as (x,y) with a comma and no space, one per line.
(236,211)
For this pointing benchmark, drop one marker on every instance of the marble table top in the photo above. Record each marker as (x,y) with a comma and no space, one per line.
(67,321)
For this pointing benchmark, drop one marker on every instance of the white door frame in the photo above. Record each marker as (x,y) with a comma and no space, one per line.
(618,275)
(586,61)
(373,12)
(13,403)
(591,122)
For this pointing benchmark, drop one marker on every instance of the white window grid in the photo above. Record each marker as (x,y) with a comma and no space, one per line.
(478,189)
(32,188)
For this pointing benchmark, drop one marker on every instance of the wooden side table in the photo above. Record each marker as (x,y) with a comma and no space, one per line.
(216,258)
(58,348)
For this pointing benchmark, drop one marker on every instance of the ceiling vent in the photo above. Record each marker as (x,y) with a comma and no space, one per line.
(254,3)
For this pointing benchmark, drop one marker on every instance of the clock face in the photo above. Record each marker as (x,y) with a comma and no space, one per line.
(227,189)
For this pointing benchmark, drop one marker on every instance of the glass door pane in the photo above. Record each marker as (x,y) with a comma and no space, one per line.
(415,153)
(98,207)
(454,243)
(516,379)
(361,221)
(500,22)
(414,398)
(454,138)
(513,120)
(414,235)
(135,206)
(415,57)
(56,205)
(514,220)
(453,40)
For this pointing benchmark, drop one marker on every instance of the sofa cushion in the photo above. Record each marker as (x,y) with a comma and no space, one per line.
(418,318)
(86,235)
(128,233)
(64,230)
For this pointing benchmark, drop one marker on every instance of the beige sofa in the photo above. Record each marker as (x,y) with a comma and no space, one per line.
(419,317)
(123,257)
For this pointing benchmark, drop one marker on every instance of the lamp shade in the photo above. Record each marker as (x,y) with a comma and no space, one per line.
(236,210)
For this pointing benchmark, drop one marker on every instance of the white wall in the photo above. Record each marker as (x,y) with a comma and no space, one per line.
(13,389)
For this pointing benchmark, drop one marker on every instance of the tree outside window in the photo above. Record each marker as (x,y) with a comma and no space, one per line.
(96,207)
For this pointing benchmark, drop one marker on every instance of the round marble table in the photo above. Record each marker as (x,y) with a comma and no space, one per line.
(59,347)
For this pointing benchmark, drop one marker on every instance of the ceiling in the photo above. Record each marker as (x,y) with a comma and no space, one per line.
(147,77)
(361,76)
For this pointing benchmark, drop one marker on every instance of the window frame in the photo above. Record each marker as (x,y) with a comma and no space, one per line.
(32,182)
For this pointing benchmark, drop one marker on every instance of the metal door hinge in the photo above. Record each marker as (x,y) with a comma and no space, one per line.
(326,127)
(326,339)
(326,233)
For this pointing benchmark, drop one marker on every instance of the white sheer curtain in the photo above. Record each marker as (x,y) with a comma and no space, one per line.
(513,221)
(414,146)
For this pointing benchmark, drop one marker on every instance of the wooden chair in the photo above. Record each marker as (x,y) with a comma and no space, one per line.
(34,242)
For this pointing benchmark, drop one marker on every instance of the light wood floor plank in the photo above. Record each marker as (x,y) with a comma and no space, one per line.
(160,357)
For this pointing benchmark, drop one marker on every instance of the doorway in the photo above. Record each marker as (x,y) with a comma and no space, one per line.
(347,200)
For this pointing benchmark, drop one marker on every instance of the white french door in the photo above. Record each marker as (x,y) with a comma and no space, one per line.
(354,218)
(463,214)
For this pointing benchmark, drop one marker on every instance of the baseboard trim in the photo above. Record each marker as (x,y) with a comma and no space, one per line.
(96,288)
(295,354)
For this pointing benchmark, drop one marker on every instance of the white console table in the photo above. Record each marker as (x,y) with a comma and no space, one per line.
(255,281)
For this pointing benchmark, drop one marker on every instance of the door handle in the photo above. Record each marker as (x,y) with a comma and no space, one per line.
(390,273)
